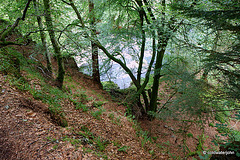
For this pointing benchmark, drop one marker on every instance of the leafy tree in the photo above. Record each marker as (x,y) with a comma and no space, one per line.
(222,60)
(10,28)
(55,44)
(167,26)
(43,37)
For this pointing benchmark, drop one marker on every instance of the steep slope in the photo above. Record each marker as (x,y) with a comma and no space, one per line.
(27,131)
(31,106)
(32,111)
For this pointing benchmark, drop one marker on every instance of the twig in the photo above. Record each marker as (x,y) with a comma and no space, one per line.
(42,148)
(167,101)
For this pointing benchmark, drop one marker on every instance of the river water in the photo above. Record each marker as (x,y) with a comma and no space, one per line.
(113,71)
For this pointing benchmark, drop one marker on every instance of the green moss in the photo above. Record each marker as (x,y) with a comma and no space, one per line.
(10,62)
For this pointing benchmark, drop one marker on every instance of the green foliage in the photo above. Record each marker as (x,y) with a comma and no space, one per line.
(97,104)
(115,120)
(79,99)
(75,142)
(144,137)
(87,150)
(211,125)
(221,117)
(123,149)
(116,143)
(81,96)
(204,156)
(152,152)
(87,134)
(55,147)
(20,83)
(5,65)
(101,143)
(11,61)
(219,42)
(97,114)
(190,135)
(108,85)
(232,143)
(39,95)
(53,97)
(222,106)
(84,107)
(47,94)
(88,138)
(111,116)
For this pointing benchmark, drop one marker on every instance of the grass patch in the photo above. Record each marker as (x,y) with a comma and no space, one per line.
(97,104)
(101,143)
(97,114)
(123,149)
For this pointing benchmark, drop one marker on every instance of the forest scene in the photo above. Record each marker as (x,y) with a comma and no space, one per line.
(120,79)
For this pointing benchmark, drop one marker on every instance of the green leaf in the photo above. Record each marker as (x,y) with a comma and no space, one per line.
(238,154)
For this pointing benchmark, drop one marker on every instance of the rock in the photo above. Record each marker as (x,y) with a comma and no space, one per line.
(18,115)
(3,90)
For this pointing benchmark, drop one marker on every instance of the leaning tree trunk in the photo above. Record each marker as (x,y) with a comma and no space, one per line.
(56,47)
(43,37)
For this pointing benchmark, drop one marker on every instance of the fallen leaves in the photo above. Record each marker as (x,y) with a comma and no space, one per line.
(31,114)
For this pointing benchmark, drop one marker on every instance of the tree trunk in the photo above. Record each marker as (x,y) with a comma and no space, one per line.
(56,47)
(157,75)
(43,38)
(139,72)
(95,63)
(123,65)
(161,47)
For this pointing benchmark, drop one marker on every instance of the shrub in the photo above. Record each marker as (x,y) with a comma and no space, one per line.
(108,85)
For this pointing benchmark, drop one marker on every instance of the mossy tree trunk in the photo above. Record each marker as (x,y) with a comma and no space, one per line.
(43,37)
(139,71)
(95,63)
(163,38)
(61,71)
(157,74)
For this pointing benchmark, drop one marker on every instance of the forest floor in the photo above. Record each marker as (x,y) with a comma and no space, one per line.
(27,131)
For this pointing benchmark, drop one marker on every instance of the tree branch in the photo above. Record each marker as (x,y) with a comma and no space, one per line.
(15,24)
